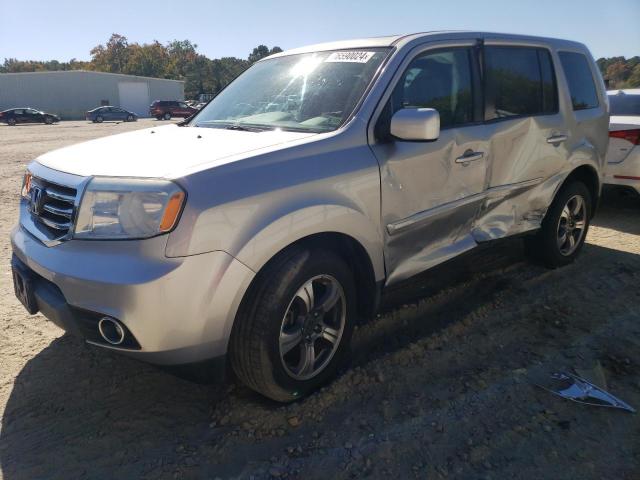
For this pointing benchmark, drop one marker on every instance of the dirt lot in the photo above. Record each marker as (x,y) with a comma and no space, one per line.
(441,383)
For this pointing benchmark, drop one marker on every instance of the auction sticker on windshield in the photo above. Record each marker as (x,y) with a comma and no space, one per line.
(350,56)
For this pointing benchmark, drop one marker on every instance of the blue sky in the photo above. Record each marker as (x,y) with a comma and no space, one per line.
(63,29)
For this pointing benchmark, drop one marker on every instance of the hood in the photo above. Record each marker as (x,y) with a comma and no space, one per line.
(164,151)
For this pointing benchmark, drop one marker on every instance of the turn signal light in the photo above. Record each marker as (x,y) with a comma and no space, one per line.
(171,212)
(26,185)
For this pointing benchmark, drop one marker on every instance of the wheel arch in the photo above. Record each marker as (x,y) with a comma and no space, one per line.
(588,175)
(351,251)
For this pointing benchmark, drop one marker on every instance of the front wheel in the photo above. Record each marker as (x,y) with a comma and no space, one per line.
(564,228)
(167,116)
(294,328)
(48,120)
(129,118)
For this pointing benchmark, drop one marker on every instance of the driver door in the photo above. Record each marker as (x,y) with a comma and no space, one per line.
(432,190)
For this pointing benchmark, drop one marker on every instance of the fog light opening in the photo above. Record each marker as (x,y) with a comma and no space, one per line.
(111,330)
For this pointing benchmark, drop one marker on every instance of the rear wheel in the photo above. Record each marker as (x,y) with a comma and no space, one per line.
(564,228)
(167,116)
(293,330)
(99,119)
(11,121)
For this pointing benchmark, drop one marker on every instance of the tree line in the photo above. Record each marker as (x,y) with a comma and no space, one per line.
(619,72)
(180,60)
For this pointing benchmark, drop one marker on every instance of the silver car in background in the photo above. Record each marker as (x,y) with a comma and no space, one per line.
(257,234)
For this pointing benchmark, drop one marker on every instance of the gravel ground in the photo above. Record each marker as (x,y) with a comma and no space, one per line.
(441,385)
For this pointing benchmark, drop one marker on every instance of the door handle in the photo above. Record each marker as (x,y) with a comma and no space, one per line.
(556,139)
(470,156)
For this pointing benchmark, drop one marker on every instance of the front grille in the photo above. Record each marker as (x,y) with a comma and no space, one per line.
(52,206)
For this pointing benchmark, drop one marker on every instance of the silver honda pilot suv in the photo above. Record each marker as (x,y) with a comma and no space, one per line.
(255,234)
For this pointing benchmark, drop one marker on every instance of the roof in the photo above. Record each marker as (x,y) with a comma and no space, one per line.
(73,72)
(402,40)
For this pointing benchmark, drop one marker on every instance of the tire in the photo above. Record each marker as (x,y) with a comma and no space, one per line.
(48,120)
(11,121)
(129,118)
(547,246)
(158,117)
(99,119)
(167,116)
(264,352)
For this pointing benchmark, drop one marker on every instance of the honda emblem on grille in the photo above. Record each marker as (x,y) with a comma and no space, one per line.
(37,199)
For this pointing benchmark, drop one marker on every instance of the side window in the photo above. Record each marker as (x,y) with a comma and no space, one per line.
(580,80)
(518,81)
(440,80)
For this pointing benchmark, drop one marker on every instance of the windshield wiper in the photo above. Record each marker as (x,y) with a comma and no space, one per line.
(244,127)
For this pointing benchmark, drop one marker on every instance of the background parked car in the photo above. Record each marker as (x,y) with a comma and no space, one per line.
(101,114)
(165,109)
(623,155)
(27,115)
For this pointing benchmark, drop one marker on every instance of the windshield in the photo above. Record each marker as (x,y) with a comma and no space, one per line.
(311,92)
(625,105)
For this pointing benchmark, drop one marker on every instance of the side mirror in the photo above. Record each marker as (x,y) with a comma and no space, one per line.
(416,124)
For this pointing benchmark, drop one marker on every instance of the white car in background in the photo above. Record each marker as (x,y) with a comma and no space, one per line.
(623,155)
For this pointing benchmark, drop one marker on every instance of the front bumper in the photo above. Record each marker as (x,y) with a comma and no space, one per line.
(178,310)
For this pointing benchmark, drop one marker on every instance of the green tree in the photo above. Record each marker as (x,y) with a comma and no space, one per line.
(262,51)
(113,56)
(148,60)
(619,72)
(634,79)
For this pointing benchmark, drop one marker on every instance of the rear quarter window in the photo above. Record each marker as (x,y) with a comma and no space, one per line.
(579,80)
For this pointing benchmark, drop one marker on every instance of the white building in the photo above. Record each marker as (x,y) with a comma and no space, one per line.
(71,93)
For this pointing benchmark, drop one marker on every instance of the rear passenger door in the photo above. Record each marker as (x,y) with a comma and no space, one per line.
(527,132)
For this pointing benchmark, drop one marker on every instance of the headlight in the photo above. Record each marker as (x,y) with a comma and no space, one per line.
(113,208)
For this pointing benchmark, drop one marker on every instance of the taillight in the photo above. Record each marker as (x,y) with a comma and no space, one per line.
(632,135)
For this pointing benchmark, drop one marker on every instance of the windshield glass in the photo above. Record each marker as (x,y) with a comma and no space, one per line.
(625,105)
(311,92)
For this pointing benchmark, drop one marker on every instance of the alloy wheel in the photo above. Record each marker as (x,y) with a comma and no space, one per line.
(571,225)
(312,327)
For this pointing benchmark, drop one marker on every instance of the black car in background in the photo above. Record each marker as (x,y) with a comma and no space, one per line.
(14,116)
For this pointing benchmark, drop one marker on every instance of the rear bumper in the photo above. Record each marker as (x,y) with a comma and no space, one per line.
(178,310)
(625,173)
